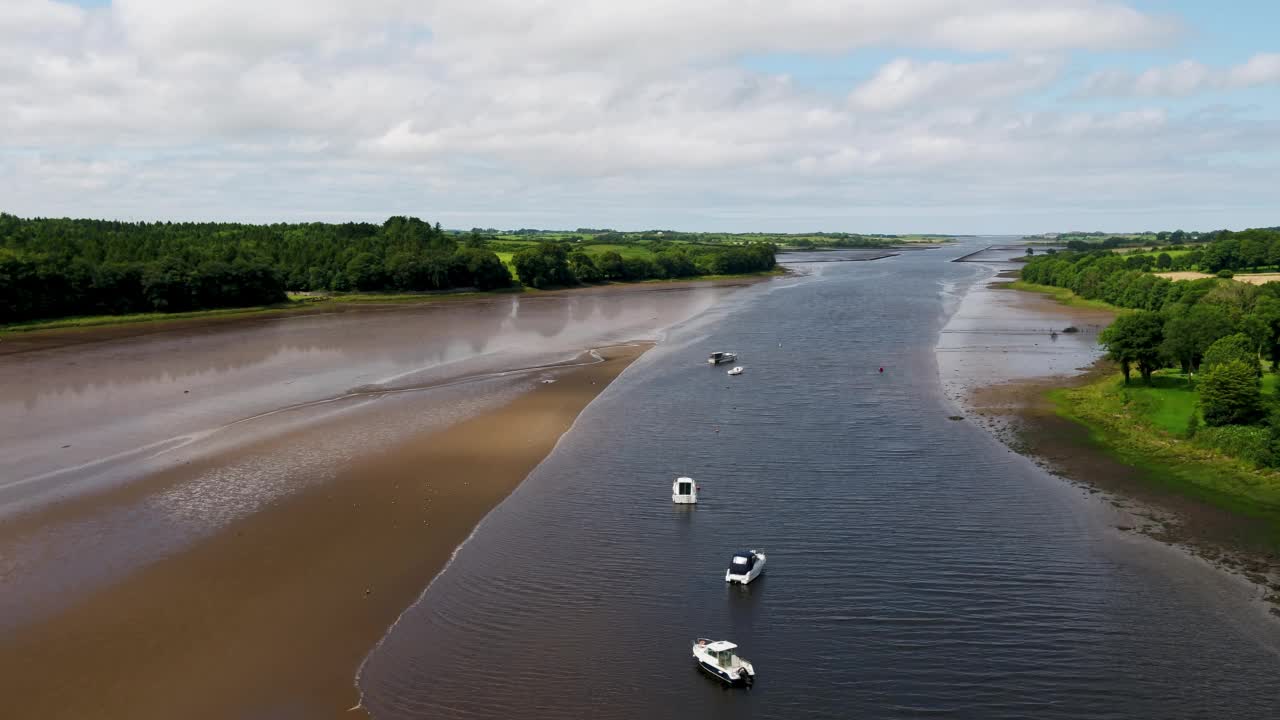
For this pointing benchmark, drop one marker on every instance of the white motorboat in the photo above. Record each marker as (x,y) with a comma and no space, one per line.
(684,491)
(717,358)
(745,567)
(718,659)
(736,371)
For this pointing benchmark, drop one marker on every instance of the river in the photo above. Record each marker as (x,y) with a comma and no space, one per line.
(917,567)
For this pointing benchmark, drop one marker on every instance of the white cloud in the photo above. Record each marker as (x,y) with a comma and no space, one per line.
(586,112)
(905,82)
(1261,69)
(37,16)
(1185,78)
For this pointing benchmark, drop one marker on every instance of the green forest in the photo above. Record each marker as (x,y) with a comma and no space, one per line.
(53,268)
(1213,334)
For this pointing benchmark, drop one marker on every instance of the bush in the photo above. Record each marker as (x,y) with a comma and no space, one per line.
(1226,274)
(1236,347)
(1247,442)
(1229,395)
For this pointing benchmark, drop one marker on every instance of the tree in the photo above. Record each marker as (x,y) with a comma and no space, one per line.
(1135,339)
(1164,261)
(1229,395)
(1031,251)
(543,266)
(365,272)
(1263,325)
(1189,332)
(483,269)
(584,268)
(1232,348)
(610,264)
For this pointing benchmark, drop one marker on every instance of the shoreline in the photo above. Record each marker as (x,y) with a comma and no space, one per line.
(274,614)
(1032,417)
(12,336)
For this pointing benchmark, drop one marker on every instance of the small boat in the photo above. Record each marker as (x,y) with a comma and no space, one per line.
(684,491)
(717,358)
(718,659)
(736,371)
(745,567)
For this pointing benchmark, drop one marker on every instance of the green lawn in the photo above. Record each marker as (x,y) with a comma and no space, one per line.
(1171,398)
(1147,427)
(1167,403)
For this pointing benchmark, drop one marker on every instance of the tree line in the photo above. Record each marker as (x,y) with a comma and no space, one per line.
(556,264)
(59,267)
(53,268)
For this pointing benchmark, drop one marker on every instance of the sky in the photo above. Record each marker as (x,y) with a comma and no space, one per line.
(980,116)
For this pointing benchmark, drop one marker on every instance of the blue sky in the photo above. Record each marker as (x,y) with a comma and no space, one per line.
(977,116)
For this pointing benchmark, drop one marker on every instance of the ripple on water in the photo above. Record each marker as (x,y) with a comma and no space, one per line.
(916,568)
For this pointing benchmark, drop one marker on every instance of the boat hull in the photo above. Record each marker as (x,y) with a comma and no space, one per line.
(723,675)
(735,673)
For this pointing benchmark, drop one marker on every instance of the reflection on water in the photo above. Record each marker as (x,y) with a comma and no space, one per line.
(63,411)
(228,419)
(916,566)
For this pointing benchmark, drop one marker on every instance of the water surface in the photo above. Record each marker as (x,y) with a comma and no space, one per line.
(917,568)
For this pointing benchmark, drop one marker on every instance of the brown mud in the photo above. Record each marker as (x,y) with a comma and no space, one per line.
(271,616)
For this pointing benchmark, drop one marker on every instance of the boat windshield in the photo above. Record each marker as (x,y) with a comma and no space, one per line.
(742,563)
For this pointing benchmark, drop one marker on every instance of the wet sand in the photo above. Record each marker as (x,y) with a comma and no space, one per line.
(271,616)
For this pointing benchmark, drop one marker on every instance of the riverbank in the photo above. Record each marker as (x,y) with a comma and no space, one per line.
(1077,425)
(307,303)
(55,334)
(271,616)
(1064,296)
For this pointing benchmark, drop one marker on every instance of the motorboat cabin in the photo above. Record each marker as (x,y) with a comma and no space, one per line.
(745,567)
(718,659)
(717,358)
(684,491)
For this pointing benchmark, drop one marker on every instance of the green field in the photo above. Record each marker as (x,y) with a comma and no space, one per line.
(1156,253)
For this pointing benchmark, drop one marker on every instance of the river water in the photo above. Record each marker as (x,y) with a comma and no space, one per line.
(917,567)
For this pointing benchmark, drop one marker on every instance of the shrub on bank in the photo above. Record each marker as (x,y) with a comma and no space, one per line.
(1247,442)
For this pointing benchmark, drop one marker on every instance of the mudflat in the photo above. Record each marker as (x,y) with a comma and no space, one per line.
(271,615)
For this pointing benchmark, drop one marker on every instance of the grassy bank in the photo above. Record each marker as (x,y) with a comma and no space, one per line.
(315,302)
(1148,428)
(89,321)
(1065,296)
